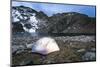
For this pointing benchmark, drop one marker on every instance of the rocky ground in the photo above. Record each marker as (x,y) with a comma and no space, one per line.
(72,49)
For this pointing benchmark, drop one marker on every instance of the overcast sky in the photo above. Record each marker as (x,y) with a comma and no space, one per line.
(51,9)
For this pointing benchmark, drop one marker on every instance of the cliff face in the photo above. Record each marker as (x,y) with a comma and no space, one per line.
(25,19)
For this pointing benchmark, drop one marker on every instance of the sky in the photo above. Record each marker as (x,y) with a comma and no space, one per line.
(50,8)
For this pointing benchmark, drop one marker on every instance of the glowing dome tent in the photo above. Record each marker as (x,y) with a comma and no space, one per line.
(45,45)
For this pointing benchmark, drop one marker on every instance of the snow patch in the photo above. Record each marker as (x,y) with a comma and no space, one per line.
(16,16)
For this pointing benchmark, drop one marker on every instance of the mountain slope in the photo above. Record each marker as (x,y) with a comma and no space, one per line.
(30,19)
(25,19)
(72,22)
